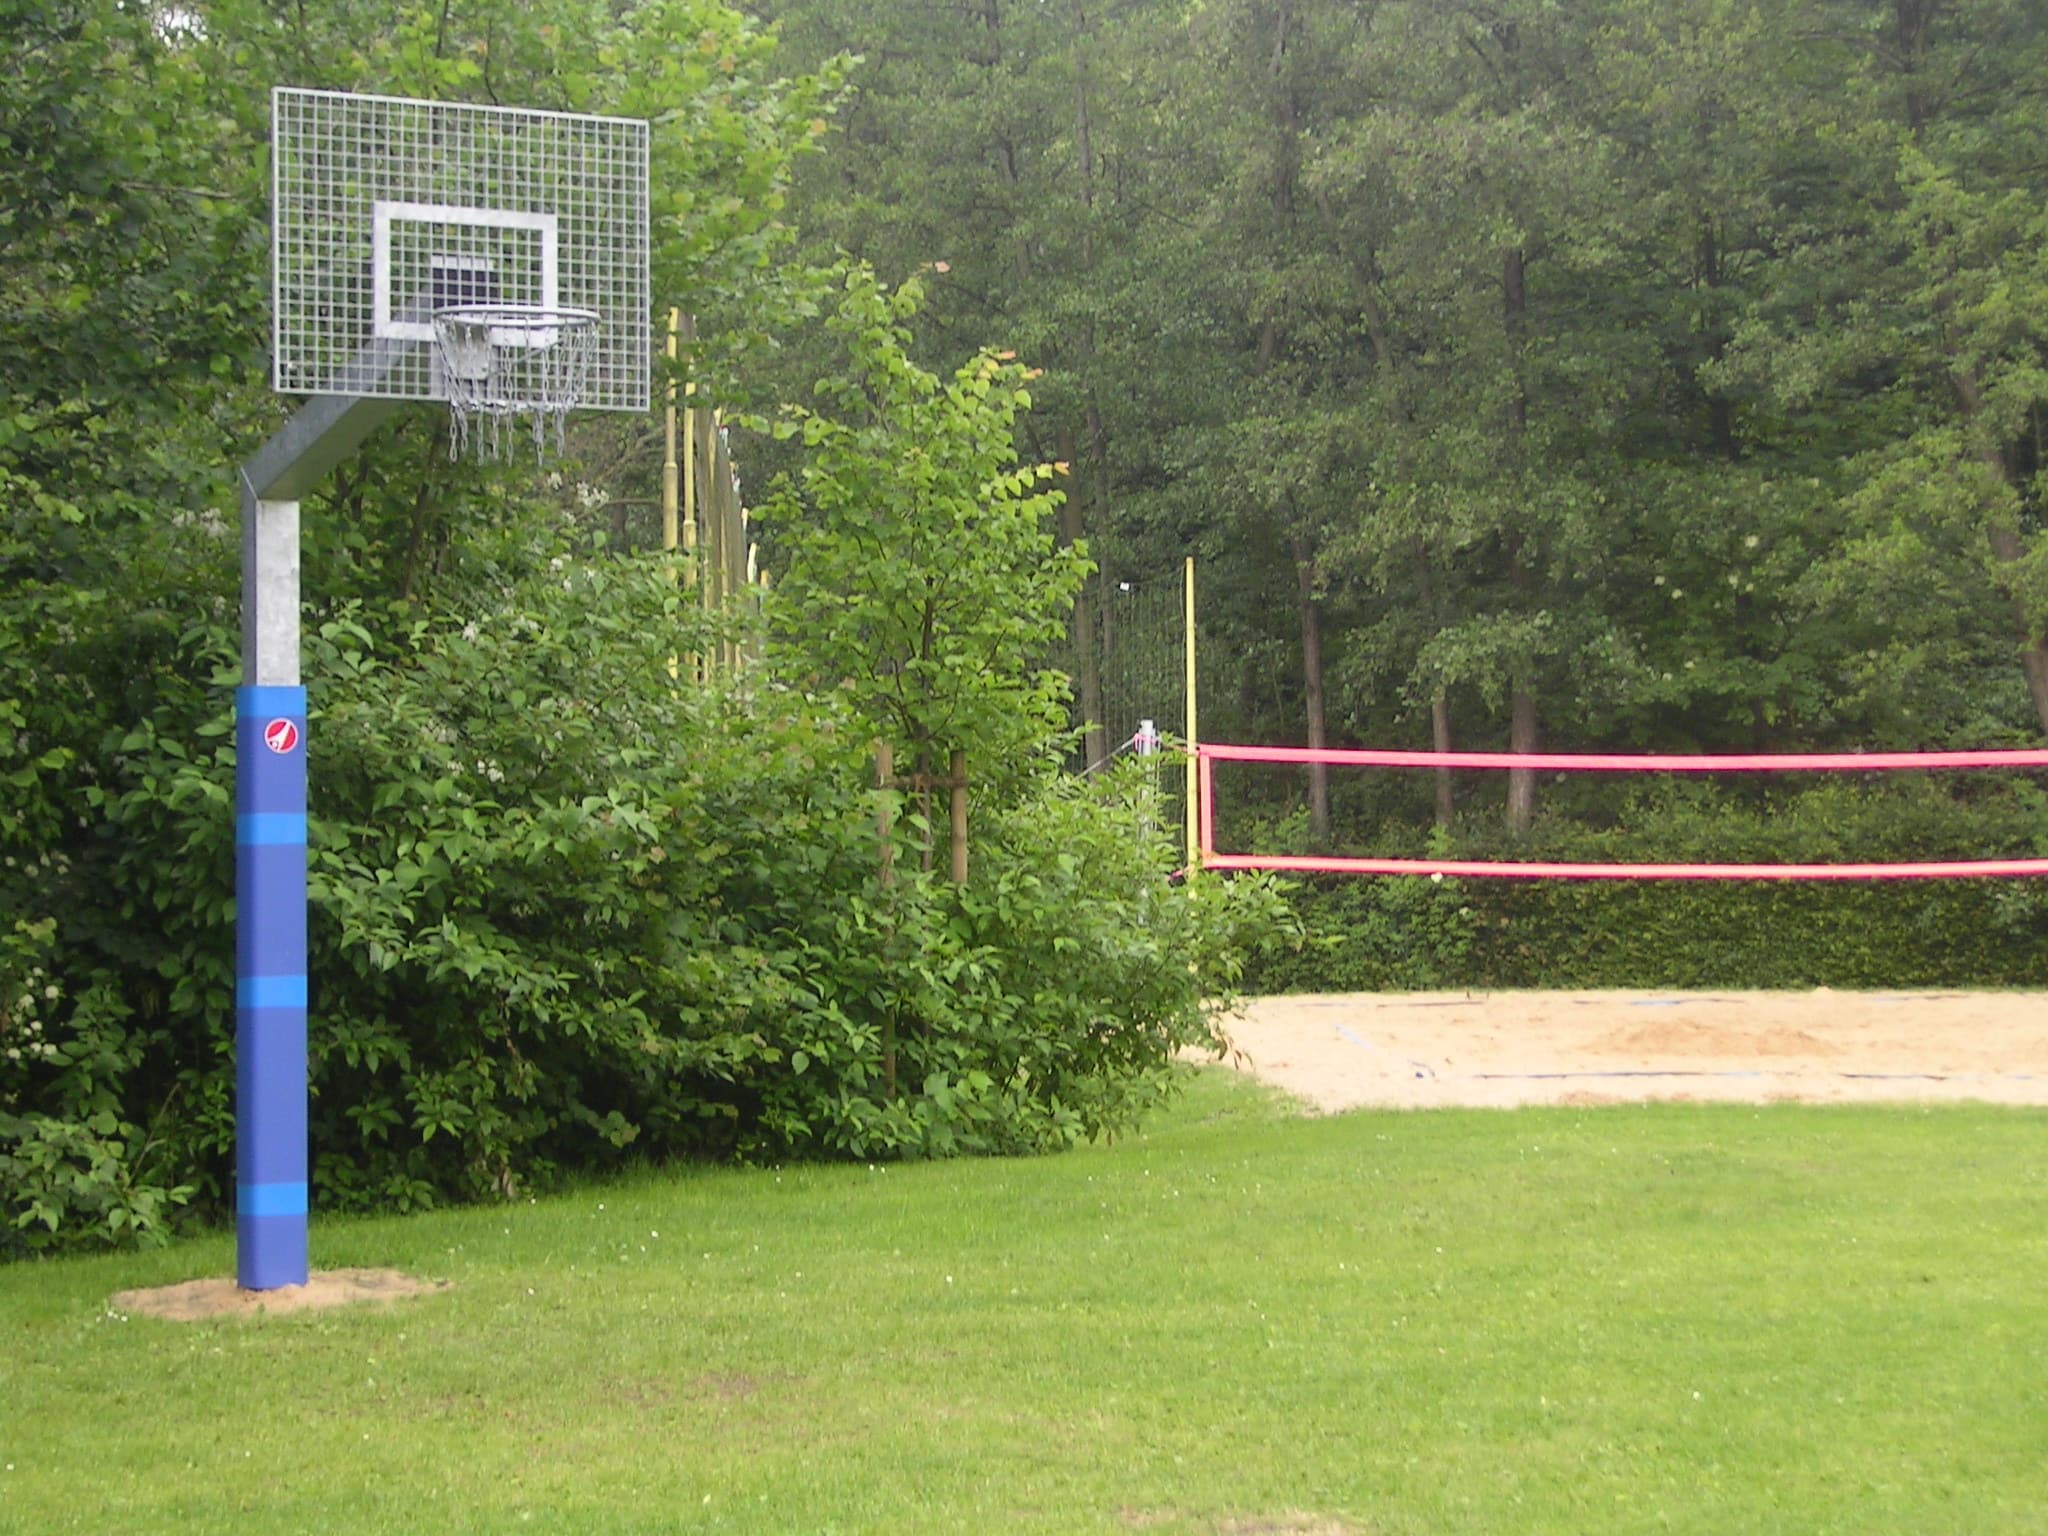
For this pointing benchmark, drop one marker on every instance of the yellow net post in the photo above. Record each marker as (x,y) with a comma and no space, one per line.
(671,470)
(1188,653)
(689,479)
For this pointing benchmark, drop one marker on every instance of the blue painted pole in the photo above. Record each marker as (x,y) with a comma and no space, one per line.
(270,986)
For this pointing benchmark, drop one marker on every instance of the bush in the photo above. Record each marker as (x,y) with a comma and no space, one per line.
(1037,1006)
(574,914)
(567,914)
(71,1168)
(1404,933)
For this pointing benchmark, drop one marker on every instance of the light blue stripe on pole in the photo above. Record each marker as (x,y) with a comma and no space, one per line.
(273,829)
(271,699)
(270,992)
(270,1199)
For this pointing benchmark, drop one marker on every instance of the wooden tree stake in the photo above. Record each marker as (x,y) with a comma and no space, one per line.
(885,780)
(959,790)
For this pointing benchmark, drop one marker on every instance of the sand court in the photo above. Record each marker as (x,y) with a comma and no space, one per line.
(1502,1049)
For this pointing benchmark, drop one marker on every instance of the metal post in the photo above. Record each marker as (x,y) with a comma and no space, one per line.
(270,906)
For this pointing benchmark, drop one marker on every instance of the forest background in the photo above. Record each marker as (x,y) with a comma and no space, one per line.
(1521,375)
(1599,376)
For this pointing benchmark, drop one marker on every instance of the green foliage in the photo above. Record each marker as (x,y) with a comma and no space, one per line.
(1678,368)
(1038,1006)
(569,912)
(923,575)
(72,1170)
(1372,936)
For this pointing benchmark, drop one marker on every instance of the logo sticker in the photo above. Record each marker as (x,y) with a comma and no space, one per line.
(280,736)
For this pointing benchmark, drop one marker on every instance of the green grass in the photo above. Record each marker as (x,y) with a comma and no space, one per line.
(1624,1319)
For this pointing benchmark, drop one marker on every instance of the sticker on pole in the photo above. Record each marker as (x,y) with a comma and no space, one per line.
(281,736)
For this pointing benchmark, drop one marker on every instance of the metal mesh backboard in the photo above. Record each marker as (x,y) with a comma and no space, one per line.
(386,210)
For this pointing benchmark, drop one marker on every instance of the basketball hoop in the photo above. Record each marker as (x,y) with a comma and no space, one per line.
(499,362)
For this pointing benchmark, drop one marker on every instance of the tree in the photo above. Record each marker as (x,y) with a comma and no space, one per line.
(1910,338)
(922,573)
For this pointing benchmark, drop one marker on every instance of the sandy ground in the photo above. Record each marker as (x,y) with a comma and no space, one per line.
(197,1300)
(1421,1050)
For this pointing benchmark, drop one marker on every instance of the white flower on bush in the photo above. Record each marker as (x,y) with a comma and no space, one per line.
(1751,542)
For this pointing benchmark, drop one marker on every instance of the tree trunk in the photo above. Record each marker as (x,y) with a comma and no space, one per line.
(2007,546)
(1087,666)
(1312,680)
(1514,308)
(1440,741)
(1521,808)
(1522,781)
(1912,24)
(1074,518)
(1439,697)
(1720,412)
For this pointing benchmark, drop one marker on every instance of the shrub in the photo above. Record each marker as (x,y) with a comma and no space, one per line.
(1707,934)
(71,1168)
(567,913)
(1039,1005)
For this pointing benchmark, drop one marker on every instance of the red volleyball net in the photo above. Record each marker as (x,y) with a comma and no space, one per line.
(1209,754)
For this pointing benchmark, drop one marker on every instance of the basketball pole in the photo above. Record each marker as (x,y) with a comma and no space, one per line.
(270,905)
(1194,734)
(271,735)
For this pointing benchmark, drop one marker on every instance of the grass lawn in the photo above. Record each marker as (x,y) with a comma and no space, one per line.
(1684,1318)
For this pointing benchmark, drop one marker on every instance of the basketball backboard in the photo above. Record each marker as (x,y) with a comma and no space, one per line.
(387,211)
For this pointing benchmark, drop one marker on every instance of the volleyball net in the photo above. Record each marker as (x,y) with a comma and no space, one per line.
(1207,754)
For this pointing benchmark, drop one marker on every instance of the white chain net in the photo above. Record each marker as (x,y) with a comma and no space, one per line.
(502,363)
